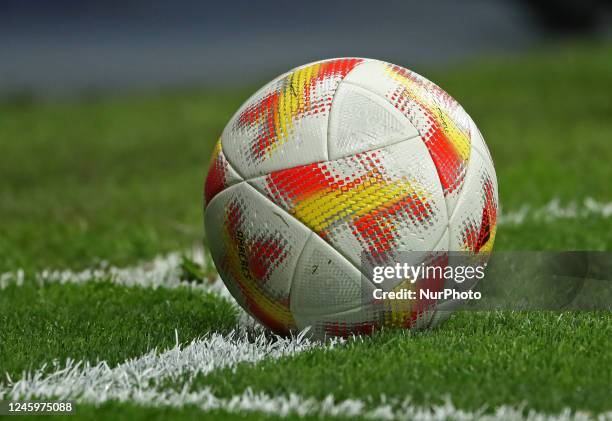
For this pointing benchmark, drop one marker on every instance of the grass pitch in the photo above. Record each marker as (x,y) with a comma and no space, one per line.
(120,180)
(100,321)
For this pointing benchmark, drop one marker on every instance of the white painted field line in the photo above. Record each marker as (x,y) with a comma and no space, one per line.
(554,210)
(138,381)
(144,375)
(163,271)
(293,404)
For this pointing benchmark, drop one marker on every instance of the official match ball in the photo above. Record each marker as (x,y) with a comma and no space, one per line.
(332,161)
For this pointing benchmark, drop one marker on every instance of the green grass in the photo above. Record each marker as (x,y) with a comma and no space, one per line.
(547,360)
(130,412)
(120,179)
(100,321)
(564,234)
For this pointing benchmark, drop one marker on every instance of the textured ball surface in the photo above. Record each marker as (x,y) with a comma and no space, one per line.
(335,159)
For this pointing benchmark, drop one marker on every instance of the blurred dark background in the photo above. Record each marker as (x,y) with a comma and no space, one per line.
(63,47)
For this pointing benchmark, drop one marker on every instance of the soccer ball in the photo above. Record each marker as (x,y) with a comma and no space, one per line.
(331,161)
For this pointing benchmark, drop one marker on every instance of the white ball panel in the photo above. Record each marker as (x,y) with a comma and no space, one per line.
(436,116)
(361,120)
(285,123)
(308,142)
(266,251)
(374,76)
(325,282)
